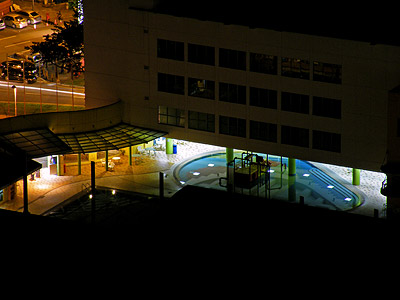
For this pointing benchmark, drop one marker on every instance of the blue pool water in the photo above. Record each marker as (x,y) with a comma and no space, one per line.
(314,185)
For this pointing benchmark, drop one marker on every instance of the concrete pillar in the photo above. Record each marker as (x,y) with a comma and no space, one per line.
(292,166)
(79,164)
(60,165)
(292,180)
(229,155)
(169,146)
(356,176)
(130,155)
(106,160)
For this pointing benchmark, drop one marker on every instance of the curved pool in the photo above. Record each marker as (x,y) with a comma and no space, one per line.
(313,184)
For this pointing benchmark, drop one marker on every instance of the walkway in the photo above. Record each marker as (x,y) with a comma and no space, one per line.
(49,190)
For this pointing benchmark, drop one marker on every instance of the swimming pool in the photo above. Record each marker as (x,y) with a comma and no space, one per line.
(313,185)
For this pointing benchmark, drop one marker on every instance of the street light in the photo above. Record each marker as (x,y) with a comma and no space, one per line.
(15,98)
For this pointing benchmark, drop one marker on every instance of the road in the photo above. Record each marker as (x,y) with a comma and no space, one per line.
(15,40)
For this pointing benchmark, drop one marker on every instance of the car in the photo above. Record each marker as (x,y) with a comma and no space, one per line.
(15,21)
(19,64)
(18,75)
(2,25)
(31,16)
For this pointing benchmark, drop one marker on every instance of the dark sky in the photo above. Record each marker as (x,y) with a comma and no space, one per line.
(376,22)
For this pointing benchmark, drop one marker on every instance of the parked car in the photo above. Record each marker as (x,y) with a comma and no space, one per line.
(35,58)
(31,16)
(15,21)
(18,75)
(19,64)
(2,25)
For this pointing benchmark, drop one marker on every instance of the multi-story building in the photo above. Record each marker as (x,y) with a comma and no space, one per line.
(304,96)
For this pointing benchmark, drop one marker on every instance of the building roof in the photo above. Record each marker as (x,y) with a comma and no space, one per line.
(374,23)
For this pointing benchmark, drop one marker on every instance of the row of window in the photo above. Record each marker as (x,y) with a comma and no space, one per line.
(321,140)
(260,97)
(260,63)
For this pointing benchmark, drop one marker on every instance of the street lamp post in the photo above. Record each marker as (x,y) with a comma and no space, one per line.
(15,98)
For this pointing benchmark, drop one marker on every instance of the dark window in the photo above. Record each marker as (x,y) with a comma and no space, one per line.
(327,72)
(295,67)
(232,93)
(263,63)
(171,116)
(232,59)
(201,54)
(170,49)
(326,141)
(201,88)
(294,136)
(171,83)
(263,98)
(201,121)
(326,107)
(263,131)
(295,102)
(232,126)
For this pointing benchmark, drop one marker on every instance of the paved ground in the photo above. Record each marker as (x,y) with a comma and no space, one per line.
(143,177)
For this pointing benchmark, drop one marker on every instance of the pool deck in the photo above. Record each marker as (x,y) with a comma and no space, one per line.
(48,191)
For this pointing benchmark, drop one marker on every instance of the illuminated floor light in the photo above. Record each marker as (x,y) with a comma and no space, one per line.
(306,175)
(182,182)
(113,192)
(90,196)
(271,171)
(347,199)
(211,165)
(330,186)
(196,173)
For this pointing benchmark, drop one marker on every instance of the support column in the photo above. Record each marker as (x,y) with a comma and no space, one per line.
(25,183)
(229,154)
(292,166)
(60,165)
(106,160)
(79,164)
(169,146)
(356,176)
(130,155)
(292,180)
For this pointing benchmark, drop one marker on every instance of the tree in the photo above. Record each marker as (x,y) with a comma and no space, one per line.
(64,47)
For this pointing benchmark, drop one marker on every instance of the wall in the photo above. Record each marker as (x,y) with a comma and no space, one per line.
(125,66)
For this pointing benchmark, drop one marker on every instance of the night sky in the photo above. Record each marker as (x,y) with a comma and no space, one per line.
(374,22)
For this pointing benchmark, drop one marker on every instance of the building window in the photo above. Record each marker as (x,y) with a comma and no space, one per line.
(232,126)
(171,83)
(201,54)
(170,49)
(325,107)
(295,67)
(201,88)
(263,98)
(171,116)
(295,102)
(294,136)
(232,93)
(326,141)
(232,59)
(201,121)
(263,131)
(263,63)
(327,72)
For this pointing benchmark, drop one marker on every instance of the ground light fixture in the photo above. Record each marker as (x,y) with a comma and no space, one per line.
(196,173)
(330,186)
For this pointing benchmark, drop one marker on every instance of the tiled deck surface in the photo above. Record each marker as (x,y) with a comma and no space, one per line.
(46,192)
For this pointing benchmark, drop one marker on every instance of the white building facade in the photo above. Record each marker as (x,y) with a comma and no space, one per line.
(297,95)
